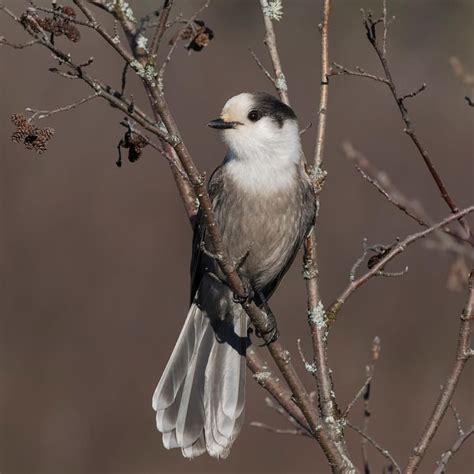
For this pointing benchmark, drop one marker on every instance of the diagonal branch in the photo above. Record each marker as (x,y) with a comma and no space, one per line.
(381,181)
(395,250)
(377,446)
(448,455)
(370,26)
(463,353)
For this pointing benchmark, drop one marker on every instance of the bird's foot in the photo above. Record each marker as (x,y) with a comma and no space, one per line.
(245,298)
(270,332)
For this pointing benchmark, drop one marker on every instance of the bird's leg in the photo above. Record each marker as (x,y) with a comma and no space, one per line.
(270,333)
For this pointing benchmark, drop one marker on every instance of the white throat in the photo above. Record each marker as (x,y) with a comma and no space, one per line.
(268,163)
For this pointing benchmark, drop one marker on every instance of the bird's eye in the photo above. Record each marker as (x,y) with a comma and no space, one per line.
(254,115)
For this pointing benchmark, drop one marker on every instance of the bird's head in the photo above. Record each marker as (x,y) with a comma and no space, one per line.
(258,124)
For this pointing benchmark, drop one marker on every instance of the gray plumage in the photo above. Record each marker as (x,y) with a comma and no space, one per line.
(262,201)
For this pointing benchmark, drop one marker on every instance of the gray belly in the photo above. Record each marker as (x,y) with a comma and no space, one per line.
(267,225)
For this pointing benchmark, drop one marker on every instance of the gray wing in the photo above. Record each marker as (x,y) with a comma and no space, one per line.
(200,262)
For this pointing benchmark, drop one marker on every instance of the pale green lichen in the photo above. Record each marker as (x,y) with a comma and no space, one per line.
(280,83)
(142,42)
(317,316)
(311,368)
(121,8)
(273,9)
(261,377)
(146,72)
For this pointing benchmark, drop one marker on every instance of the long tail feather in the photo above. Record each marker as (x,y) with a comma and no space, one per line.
(199,401)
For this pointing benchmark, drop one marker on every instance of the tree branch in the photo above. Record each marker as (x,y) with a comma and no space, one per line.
(396,249)
(370,26)
(385,453)
(463,353)
(448,455)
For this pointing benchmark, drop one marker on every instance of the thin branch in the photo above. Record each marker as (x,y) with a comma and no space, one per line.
(275,387)
(5,42)
(161,27)
(370,26)
(397,249)
(286,431)
(271,44)
(381,181)
(263,68)
(356,398)
(359,72)
(102,32)
(385,453)
(40,114)
(457,418)
(334,445)
(370,369)
(463,353)
(414,93)
(324,86)
(448,455)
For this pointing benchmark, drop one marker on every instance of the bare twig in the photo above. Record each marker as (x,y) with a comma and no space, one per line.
(271,44)
(324,86)
(5,42)
(381,181)
(262,67)
(274,386)
(370,370)
(385,453)
(447,456)
(161,27)
(463,353)
(457,418)
(40,114)
(397,249)
(370,26)
(258,424)
(341,70)
(356,398)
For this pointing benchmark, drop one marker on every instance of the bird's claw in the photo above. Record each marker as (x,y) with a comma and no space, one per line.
(247,297)
(270,333)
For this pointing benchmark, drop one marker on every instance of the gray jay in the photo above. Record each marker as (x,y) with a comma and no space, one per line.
(264,206)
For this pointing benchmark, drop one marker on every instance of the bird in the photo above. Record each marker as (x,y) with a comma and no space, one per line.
(264,206)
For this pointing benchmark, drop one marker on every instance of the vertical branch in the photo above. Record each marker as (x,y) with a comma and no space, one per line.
(161,27)
(270,42)
(463,353)
(324,85)
(331,428)
(317,316)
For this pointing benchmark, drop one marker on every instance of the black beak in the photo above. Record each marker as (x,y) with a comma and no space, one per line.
(222,124)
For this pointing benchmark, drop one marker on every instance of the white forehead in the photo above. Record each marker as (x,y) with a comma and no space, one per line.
(238,106)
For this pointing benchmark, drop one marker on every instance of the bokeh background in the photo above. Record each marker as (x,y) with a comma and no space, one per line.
(95,258)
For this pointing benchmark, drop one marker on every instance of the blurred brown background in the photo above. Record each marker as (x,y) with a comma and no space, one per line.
(95,258)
